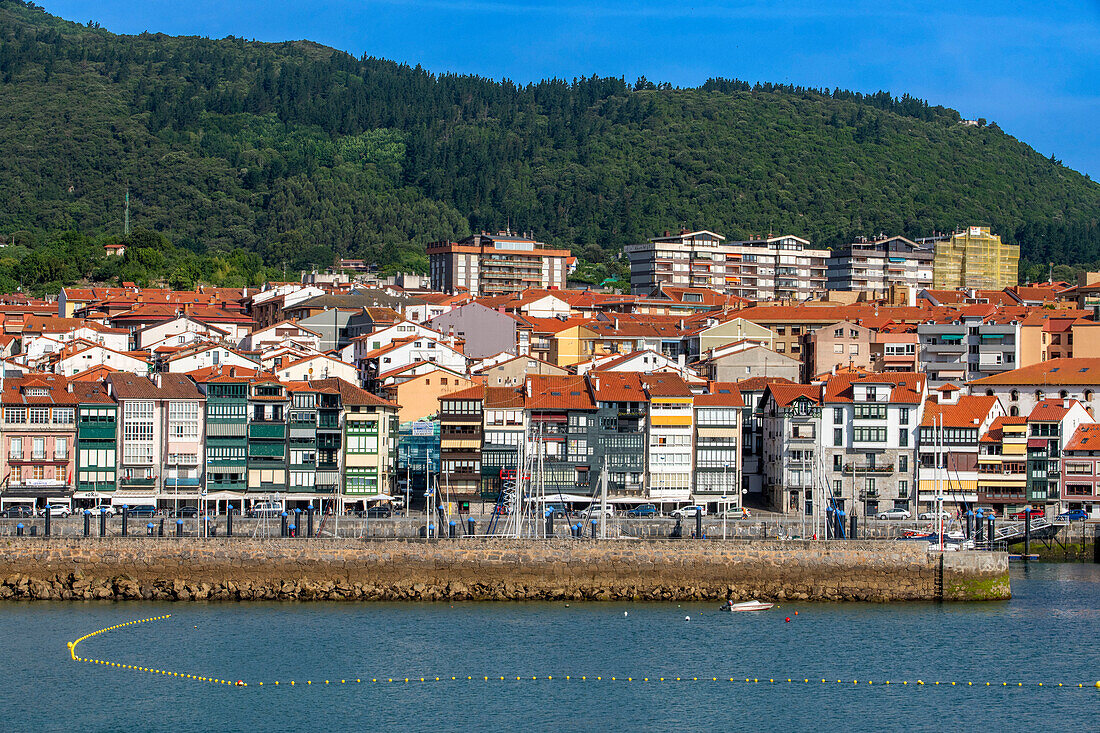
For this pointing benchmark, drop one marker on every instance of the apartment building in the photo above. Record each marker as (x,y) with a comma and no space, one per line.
(969,347)
(950,434)
(877,265)
(718,414)
(791,416)
(96,442)
(869,425)
(485,264)
(1020,390)
(772,268)
(368,435)
(39,433)
(1002,465)
(1080,480)
(973,258)
(461,418)
(1050,426)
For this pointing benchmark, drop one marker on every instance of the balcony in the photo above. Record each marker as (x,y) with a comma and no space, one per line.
(140,482)
(877,468)
(267,431)
(181,482)
(96,432)
(954,347)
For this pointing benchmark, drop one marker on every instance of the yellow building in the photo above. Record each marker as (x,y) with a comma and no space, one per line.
(975,258)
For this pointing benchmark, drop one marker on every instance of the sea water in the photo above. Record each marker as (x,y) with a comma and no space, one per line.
(1047,633)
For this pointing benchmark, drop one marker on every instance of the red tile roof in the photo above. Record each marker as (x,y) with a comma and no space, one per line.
(720,394)
(552,392)
(1051,410)
(905,387)
(1055,372)
(970,412)
(1085,437)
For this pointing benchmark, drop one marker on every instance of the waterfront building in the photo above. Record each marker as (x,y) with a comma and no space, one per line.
(268,455)
(877,265)
(561,415)
(1020,390)
(504,428)
(461,416)
(39,433)
(973,258)
(752,430)
(950,434)
(1080,479)
(671,423)
(485,264)
(717,474)
(771,268)
(621,435)
(1002,465)
(1050,426)
(791,424)
(368,437)
(869,425)
(226,392)
(162,429)
(96,443)
(417,455)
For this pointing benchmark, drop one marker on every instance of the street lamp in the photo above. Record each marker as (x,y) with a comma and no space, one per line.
(725,501)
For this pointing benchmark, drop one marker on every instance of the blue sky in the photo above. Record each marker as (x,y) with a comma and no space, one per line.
(1033,67)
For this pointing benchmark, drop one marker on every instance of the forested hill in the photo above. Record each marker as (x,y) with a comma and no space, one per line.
(300,153)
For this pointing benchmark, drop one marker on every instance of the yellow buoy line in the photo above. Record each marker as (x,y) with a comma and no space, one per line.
(548,678)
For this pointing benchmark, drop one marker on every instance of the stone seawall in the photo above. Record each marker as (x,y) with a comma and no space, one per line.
(242,568)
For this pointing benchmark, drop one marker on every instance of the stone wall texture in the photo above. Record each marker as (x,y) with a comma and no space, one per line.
(242,568)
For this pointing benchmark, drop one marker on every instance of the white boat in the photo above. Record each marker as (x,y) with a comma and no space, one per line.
(746,606)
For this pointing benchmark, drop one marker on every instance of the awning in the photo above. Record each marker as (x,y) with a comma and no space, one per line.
(132,500)
(951,337)
(1037,443)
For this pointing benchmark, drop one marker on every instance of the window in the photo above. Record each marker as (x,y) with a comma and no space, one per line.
(15,415)
(838,333)
(869,486)
(838,436)
(903,463)
(903,437)
(838,415)
(183,420)
(838,348)
(838,462)
(16,448)
(870,412)
(853,349)
(39,415)
(870,435)
(63,416)
(903,489)
(903,416)
(60,449)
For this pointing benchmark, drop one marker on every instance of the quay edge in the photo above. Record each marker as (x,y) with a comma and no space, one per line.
(243,569)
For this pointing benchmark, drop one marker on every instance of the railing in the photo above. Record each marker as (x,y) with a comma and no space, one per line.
(877,468)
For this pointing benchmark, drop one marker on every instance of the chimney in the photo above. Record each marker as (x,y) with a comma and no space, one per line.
(156,379)
(596,383)
(616,323)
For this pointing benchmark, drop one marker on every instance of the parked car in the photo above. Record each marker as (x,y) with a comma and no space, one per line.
(689,512)
(379,511)
(643,510)
(100,508)
(1035,512)
(946,516)
(267,509)
(895,514)
(742,513)
(18,511)
(559,510)
(1074,515)
(143,510)
(186,511)
(593,512)
(57,510)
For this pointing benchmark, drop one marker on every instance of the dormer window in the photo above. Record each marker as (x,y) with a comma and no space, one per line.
(36,392)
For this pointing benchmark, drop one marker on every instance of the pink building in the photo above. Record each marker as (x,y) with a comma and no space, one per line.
(1081,470)
(39,433)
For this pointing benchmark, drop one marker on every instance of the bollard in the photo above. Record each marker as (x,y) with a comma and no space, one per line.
(1096,547)
(969,524)
(594,523)
(19,530)
(229,521)
(990,534)
(297,518)
(149,528)
(46,516)
(102,522)
(87,522)
(160,527)
(1027,533)
(309,521)
(853,525)
(431,531)
(471,526)
(179,528)
(451,529)
(550,524)
(34,530)
(829,523)
(125,516)
(698,522)
(292,530)
(282,526)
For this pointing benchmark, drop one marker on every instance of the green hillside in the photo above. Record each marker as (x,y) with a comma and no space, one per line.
(299,153)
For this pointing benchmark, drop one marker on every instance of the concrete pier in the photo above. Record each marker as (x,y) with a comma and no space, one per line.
(242,568)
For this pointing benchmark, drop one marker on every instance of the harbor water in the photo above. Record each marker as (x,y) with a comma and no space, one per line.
(1046,633)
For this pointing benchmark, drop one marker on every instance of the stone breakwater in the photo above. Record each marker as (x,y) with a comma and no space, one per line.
(245,569)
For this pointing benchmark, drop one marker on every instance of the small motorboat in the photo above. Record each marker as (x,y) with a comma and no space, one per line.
(746,606)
